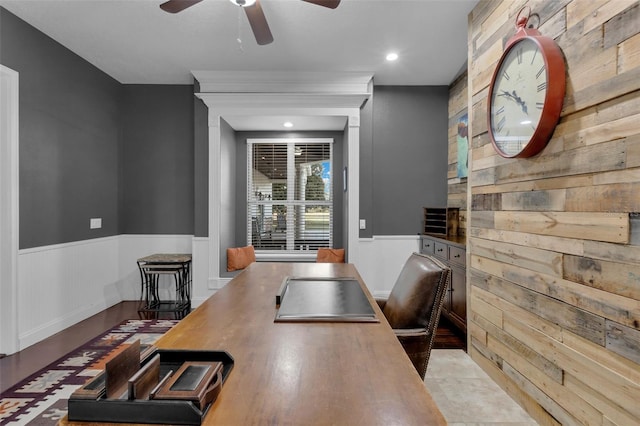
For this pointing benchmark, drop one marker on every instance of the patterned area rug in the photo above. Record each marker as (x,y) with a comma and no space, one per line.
(41,399)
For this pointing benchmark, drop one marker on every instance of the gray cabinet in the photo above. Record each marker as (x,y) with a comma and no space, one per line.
(451,251)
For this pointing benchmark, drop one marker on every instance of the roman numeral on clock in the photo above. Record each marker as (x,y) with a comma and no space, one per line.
(535,52)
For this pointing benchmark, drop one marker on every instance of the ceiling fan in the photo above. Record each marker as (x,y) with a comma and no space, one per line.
(252,8)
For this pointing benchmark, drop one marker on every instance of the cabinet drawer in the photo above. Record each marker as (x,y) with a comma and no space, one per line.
(427,246)
(457,255)
(440,250)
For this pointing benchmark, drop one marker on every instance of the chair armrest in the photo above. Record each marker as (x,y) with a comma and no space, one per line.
(381,302)
(417,345)
(410,332)
(412,339)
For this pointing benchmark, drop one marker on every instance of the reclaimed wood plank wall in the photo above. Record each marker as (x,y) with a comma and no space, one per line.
(553,252)
(457,186)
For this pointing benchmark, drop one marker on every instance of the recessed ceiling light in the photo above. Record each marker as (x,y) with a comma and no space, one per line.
(288,124)
(392,56)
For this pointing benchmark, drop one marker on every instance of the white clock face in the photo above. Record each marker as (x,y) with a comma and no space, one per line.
(518,97)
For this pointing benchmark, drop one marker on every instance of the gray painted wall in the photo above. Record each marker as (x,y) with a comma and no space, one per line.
(409,158)
(69,138)
(157,161)
(137,155)
(91,147)
(366,162)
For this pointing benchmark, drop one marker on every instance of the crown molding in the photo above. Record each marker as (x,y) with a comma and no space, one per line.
(292,103)
(283,82)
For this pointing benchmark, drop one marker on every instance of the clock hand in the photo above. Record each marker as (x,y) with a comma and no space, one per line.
(520,102)
(517,99)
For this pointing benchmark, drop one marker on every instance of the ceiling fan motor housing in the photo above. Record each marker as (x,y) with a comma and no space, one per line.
(243,3)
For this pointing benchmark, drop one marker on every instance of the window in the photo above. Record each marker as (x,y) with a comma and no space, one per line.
(290,194)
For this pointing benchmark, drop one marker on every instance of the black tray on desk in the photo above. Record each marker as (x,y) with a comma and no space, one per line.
(178,412)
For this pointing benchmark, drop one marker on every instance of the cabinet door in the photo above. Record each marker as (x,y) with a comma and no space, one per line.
(441,251)
(427,246)
(458,294)
(457,256)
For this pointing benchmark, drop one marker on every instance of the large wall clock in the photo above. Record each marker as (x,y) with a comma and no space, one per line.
(526,93)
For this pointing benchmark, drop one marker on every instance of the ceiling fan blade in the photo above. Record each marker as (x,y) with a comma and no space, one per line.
(175,6)
(258,23)
(331,4)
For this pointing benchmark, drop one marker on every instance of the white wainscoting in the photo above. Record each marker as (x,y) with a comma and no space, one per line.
(381,258)
(63,284)
(378,259)
(204,284)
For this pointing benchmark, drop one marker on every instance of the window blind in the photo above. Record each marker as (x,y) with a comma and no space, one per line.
(290,194)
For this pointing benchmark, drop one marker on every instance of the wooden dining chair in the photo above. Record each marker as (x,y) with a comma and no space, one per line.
(414,305)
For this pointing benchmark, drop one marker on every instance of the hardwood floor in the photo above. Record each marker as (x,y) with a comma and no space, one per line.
(21,365)
(18,366)
(449,337)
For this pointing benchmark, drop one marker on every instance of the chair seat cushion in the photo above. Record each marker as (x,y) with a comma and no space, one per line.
(240,257)
(330,255)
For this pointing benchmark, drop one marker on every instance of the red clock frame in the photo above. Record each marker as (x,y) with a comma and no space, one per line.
(554,97)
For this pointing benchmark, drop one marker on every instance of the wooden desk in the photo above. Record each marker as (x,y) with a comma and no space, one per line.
(302,373)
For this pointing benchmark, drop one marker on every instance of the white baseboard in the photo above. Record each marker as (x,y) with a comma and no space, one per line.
(62,284)
(58,324)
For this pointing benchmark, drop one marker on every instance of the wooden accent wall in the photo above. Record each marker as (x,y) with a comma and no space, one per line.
(457,186)
(554,267)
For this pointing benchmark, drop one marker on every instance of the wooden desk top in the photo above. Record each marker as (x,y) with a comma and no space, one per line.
(302,373)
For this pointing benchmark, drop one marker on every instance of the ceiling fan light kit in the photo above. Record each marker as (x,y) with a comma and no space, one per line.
(253,10)
(243,3)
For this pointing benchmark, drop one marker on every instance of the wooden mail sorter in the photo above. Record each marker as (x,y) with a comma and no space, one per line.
(442,222)
(153,385)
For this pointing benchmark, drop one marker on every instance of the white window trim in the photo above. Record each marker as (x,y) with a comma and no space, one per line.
(253,94)
(287,255)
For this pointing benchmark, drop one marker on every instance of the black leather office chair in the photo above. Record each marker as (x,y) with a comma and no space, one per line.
(413,307)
